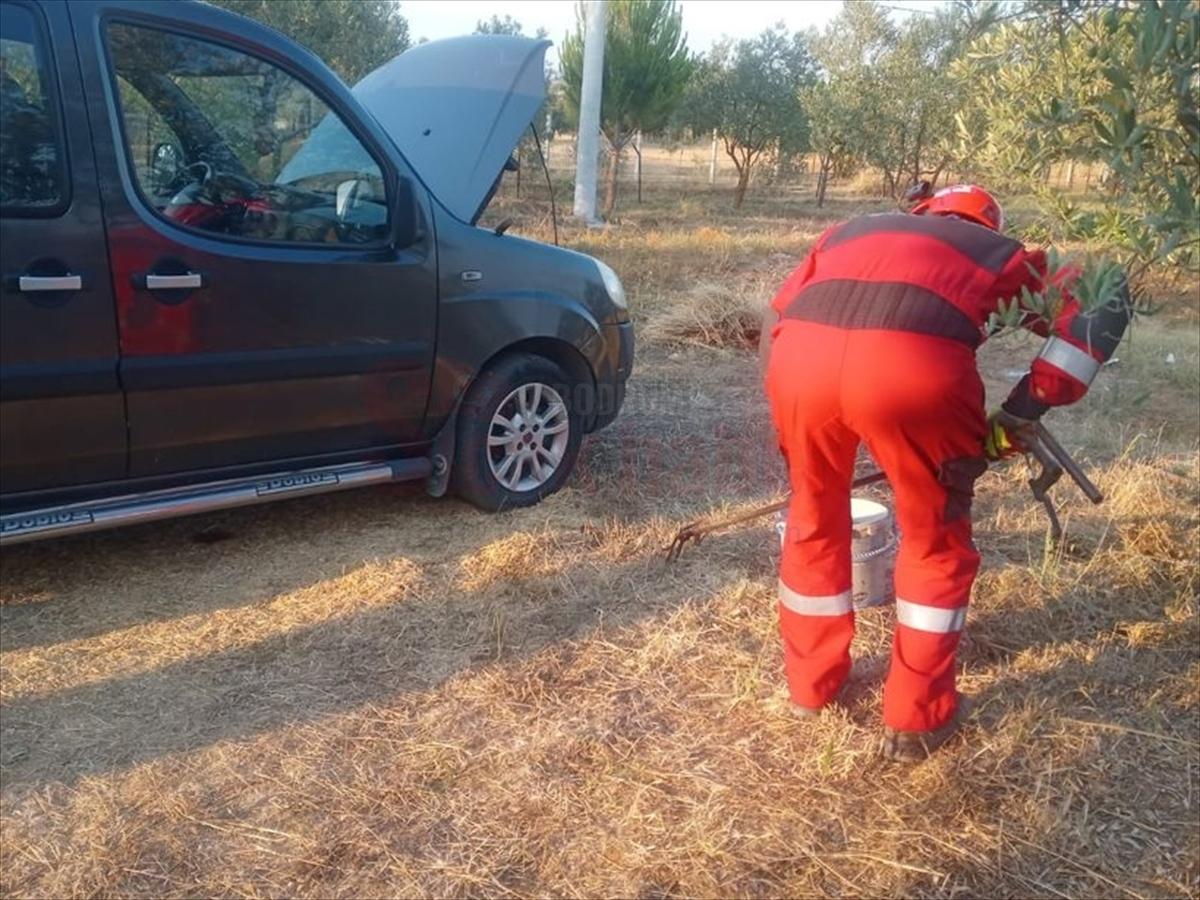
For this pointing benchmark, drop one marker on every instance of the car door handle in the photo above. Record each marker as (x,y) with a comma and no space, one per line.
(186,282)
(29,284)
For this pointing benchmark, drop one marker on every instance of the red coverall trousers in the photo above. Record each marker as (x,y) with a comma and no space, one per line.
(917,403)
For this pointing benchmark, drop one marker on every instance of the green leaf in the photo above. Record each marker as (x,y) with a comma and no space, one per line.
(1117,78)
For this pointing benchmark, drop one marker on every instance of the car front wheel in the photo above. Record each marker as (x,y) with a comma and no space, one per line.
(518,434)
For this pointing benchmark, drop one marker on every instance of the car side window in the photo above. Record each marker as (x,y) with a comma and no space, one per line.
(32,179)
(225,142)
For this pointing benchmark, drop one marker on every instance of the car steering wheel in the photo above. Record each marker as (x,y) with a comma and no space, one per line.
(205,176)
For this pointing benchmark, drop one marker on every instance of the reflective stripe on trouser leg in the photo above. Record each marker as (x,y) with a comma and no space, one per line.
(1063,355)
(930,618)
(816,632)
(814,605)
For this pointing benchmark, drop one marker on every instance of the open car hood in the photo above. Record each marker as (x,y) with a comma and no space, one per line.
(456,109)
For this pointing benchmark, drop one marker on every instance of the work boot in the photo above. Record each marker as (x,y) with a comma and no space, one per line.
(918,746)
(812,712)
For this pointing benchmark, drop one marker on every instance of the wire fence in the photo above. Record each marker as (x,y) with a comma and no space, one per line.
(690,166)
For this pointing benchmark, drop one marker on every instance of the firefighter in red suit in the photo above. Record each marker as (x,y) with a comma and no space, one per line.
(873,341)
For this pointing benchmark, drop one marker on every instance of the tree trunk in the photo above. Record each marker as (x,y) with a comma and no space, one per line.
(742,184)
(743,164)
(889,182)
(266,143)
(519,167)
(917,148)
(937,173)
(1070,173)
(610,181)
(825,166)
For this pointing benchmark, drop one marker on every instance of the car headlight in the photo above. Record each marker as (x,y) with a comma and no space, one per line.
(612,284)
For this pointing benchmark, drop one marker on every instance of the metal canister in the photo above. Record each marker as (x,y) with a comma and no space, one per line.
(872,551)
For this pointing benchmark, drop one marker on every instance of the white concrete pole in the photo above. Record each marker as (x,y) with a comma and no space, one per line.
(588,142)
(712,161)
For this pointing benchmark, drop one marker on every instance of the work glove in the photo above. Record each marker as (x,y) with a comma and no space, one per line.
(1007,435)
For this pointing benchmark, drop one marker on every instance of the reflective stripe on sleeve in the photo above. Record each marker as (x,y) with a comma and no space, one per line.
(930,618)
(810,605)
(1079,364)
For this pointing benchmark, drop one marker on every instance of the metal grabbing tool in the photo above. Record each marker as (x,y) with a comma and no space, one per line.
(697,531)
(1040,444)
(1054,460)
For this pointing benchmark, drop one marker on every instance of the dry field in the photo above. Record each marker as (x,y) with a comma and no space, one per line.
(379,694)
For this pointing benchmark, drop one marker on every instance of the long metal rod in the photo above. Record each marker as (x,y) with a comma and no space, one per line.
(1053,458)
(696,531)
(546,169)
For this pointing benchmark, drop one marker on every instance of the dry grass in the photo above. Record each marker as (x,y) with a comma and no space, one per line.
(712,314)
(376,694)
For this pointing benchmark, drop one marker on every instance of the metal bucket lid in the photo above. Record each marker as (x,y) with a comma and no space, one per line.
(867,512)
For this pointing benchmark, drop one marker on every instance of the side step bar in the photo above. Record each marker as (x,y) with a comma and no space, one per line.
(94,515)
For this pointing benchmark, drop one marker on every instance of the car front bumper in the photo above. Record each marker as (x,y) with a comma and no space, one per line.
(611,379)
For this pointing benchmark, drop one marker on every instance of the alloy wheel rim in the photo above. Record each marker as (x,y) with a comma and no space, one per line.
(528,437)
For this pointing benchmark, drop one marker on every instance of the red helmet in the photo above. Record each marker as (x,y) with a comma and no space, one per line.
(969,201)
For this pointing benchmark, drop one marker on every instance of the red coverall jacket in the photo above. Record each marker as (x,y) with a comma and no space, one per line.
(940,276)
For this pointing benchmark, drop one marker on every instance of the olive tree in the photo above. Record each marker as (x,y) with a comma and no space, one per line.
(353,37)
(750,93)
(887,96)
(1103,81)
(834,128)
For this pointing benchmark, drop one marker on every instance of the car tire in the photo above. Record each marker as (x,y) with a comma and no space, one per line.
(519,434)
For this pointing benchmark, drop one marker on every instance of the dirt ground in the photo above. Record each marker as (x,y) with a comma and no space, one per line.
(380,694)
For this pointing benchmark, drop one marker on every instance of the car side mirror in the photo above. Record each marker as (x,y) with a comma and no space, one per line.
(406,216)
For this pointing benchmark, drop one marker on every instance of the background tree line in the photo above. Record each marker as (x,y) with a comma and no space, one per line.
(994,90)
